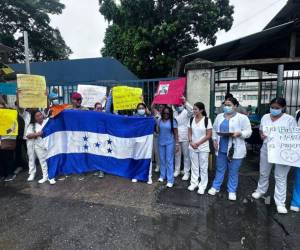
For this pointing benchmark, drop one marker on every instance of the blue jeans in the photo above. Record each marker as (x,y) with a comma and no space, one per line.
(222,164)
(296,192)
(166,157)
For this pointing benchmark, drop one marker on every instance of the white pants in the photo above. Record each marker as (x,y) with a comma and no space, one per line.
(183,149)
(281,173)
(31,157)
(34,152)
(199,162)
(150,172)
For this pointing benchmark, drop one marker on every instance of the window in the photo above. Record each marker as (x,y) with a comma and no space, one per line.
(219,98)
(252,97)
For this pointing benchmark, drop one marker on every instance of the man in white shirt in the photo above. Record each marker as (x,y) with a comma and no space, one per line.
(183,115)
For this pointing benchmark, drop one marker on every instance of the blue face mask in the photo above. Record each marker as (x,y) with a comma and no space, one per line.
(141,112)
(227,109)
(179,109)
(275,112)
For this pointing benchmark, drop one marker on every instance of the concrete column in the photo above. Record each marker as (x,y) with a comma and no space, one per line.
(199,87)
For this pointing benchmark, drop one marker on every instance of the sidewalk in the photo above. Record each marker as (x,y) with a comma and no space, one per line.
(113,213)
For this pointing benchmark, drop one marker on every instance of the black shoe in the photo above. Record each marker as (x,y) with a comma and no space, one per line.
(10,178)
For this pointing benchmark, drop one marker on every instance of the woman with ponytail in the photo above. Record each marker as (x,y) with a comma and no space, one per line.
(200,132)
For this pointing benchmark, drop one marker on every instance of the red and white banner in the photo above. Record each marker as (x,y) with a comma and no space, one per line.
(170,92)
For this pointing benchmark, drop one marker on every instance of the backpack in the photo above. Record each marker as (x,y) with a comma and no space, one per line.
(211,144)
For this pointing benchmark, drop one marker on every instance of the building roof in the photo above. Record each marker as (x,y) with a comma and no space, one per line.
(290,12)
(79,71)
(271,43)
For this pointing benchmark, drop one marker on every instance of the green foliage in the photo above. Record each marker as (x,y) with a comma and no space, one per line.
(32,16)
(148,36)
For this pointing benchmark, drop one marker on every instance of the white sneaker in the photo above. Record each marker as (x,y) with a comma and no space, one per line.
(295,209)
(161,180)
(192,187)
(213,191)
(134,180)
(232,196)
(156,170)
(31,177)
(201,191)
(169,185)
(41,181)
(186,177)
(176,174)
(52,181)
(256,195)
(282,210)
(150,182)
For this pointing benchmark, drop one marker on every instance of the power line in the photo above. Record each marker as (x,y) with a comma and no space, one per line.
(256,14)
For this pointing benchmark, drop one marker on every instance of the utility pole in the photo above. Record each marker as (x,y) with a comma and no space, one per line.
(26,45)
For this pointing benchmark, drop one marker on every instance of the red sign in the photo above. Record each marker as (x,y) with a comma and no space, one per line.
(170,92)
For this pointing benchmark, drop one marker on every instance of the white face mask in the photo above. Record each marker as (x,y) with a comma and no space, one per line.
(141,112)
(55,102)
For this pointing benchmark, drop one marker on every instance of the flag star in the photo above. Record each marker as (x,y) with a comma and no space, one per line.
(86,147)
(85,138)
(97,145)
(109,150)
(109,141)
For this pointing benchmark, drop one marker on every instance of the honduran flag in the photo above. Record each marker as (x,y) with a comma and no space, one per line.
(85,141)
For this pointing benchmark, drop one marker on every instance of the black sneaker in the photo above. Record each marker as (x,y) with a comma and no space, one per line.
(10,178)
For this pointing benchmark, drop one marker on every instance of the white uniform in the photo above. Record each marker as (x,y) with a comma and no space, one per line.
(281,171)
(37,148)
(199,157)
(183,120)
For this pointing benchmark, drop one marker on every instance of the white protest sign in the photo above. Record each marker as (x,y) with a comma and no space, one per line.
(91,94)
(283,145)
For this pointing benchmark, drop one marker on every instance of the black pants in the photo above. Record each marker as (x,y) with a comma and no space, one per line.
(7,162)
(21,154)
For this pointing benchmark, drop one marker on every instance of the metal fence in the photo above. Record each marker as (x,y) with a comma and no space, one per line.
(149,87)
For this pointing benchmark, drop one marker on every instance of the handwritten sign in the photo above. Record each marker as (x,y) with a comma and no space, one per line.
(32,91)
(91,94)
(283,145)
(126,98)
(8,122)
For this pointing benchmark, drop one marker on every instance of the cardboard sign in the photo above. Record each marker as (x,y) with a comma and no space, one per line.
(33,92)
(91,94)
(126,98)
(283,145)
(170,92)
(8,122)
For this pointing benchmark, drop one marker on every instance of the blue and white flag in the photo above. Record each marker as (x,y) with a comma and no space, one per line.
(84,141)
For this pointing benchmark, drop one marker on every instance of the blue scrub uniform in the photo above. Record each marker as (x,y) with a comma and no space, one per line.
(166,148)
(222,163)
(296,192)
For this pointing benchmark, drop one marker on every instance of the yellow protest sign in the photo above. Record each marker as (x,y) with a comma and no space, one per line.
(8,122)
(126,98)
(32,91)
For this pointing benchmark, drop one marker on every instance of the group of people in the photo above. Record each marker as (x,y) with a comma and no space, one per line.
(183,133)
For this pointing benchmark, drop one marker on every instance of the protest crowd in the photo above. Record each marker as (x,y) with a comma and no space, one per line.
(184,140)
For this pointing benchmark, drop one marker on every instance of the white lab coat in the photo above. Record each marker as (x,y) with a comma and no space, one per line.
(37,149)
(238,123)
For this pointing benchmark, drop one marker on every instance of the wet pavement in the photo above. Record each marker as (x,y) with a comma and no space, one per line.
(113,213)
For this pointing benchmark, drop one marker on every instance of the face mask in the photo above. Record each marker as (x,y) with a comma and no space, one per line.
(228,110)
(141,112)
(179,109)
(275,112)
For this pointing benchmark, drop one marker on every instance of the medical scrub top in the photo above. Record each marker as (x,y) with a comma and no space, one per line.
(224,141)
(166,135)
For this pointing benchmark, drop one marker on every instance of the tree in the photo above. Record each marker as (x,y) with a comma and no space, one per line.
(46,43)
(148,36)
